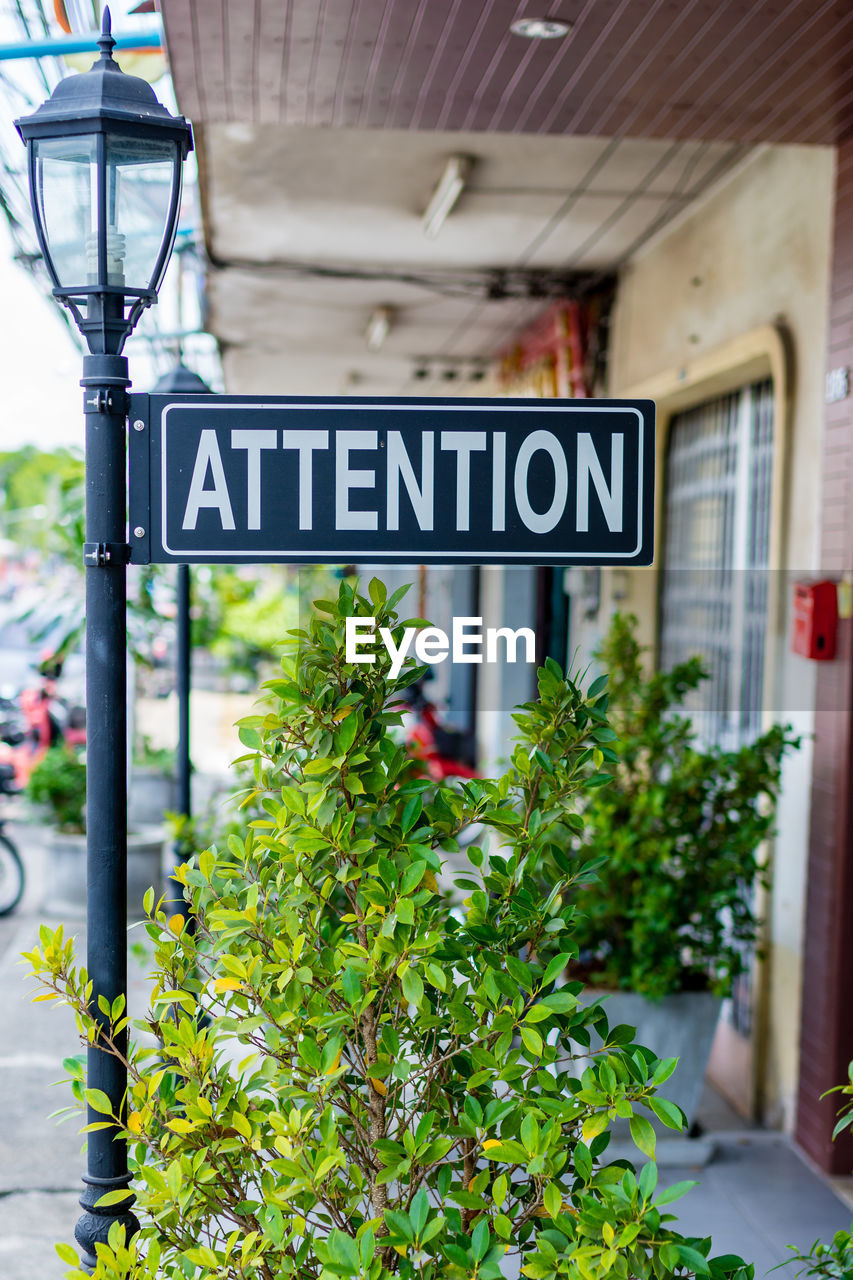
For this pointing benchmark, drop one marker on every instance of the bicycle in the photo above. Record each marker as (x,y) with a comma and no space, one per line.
(12,875)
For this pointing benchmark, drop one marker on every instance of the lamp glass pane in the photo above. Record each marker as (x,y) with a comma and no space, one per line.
(66,178)
(140,178)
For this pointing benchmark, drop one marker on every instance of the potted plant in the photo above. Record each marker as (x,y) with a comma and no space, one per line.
(58,785)
(378,1089)
(666,915)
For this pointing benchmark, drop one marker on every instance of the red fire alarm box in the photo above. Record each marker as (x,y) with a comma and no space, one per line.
(815,619)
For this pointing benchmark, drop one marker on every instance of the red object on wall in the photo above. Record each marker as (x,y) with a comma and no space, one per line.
(815,619)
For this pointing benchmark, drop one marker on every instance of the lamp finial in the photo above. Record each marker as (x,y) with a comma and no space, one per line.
(106,43)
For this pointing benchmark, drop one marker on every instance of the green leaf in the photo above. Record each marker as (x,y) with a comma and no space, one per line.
(643,1135)
(560,1002)
(693,1259)
(377,591)
(552,1199)
(538,1013)
(351,985)
(519,972)
(399,1224)
(667,1111)
(583,1161)
(413,988)
(598,686)
(480,1240)
(507,1150)
(396,596)
(675,1192)
(556,967)
(733,1262)
(347,732)
(67,1254)
(419,1211)
(367,1247)
(343,1251)
(594,1125)
(292,799)
(436,976)
(531,1040)
(317,767)
(113,1197)
(413,875)
(648,1179)
(664,1070)
(503,1226)
(98,1101)
(432,1229)
(411,813)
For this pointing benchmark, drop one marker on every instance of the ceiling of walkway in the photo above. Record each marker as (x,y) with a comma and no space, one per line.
(744,70)
(308,243)
(324,125)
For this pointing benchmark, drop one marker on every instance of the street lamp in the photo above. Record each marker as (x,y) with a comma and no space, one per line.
(105,160)
(105,163)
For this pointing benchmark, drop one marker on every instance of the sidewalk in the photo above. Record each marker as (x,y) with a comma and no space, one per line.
(756,1196)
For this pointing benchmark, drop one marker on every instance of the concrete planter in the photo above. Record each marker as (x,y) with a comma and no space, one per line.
(150,795)
(66,872)
(678,1026)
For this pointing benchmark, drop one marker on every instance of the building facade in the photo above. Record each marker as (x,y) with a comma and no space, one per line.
(685,178)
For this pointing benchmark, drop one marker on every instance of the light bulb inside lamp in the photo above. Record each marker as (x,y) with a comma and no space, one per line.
(116,252)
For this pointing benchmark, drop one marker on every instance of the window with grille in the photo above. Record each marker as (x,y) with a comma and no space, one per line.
(716,549)
(714,584)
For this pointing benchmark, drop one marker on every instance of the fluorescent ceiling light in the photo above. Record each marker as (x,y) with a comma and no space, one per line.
(540,28)
(378,327)
(447,192)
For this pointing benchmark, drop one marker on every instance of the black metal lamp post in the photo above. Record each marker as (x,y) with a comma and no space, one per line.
(105,161)
(183,380)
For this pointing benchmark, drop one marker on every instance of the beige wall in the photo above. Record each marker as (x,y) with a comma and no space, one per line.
(753,257)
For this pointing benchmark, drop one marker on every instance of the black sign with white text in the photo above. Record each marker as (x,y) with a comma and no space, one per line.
(229,479)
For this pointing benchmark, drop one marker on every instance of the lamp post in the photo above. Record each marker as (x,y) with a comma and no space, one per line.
(183,380)
(105,162)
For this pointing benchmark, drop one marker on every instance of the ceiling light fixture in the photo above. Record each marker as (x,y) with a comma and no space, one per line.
(540,28)
(378,327)
(447,192)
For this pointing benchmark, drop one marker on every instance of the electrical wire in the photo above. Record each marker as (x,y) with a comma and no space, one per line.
(490,284)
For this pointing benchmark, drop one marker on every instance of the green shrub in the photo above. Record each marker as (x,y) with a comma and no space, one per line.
(58,782)
(674,841)
(386,1085)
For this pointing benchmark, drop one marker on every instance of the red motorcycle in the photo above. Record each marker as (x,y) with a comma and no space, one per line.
(44,719)
(444,751)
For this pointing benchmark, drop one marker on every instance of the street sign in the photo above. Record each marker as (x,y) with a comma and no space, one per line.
(230,479)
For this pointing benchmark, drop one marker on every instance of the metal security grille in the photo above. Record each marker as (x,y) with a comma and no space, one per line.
(714,585)
(716,547)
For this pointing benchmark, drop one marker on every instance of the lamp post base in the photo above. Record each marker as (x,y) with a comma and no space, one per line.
(93,1227)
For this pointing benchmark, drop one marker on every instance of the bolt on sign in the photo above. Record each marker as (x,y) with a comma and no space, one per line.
(228,479)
